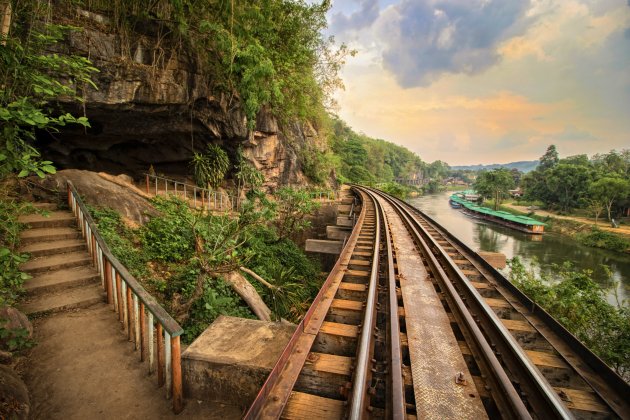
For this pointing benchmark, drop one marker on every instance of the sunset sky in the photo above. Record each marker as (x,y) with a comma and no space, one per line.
(487,81)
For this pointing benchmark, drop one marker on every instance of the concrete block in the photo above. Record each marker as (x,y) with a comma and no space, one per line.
(344,221)
(337,232)
(495,259)
(323,246)
(231,359)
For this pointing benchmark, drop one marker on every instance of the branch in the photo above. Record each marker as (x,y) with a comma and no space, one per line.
(260,279)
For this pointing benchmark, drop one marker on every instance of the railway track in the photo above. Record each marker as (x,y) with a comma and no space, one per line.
(411,323)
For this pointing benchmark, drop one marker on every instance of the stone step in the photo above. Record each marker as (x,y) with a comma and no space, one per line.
(78,297)
(45,206)
(50,220)
(49,234)
(63,246)
(60,280)
(57,262)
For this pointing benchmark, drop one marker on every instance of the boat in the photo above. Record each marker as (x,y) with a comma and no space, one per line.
(454,204)
(513,221)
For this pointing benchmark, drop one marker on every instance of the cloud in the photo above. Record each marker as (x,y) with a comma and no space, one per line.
(426,38)
(362,18)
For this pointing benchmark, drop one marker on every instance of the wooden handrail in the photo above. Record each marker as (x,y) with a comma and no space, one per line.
(130,300)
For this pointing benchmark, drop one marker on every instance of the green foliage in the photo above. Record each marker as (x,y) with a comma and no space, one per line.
(246,174)
(293,207)
(14,339)
(123,241)
(395,189)
(494,184)
(365,160)
(577,182)
(11,278)
(579,304)
(33,78)
(599,238)
(169,236)
(280,262)
(209,168)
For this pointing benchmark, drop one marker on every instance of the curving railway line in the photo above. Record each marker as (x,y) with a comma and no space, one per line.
(412,323)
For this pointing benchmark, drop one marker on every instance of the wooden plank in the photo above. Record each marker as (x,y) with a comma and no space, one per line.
(347,305)
(546,359)
(343,330)
(498,303)
(514,325)
(363,263)
(330,363)
(357,273)
(581,400)
(355,287)
(478,285)
(307,406)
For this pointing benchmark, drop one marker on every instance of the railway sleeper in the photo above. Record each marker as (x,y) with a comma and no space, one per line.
(361,265)
(356,276)
(325,375)
(335,338)
(305,406)
(351,291)
(345,311)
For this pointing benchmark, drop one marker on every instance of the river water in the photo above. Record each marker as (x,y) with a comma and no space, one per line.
(548,249)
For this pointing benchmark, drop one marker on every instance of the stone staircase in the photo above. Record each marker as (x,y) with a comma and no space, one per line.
(62,270)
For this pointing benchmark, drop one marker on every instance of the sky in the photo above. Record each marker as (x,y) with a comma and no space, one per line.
(487,81)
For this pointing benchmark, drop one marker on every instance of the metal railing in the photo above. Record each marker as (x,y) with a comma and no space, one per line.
(138,311)
(197,197)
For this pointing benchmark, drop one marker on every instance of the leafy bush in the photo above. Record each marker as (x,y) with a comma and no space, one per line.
(169,236)
(122,240)
(599,238)
(11,278)
(579,303)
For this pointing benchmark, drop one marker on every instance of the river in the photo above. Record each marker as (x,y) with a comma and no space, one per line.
(548,249)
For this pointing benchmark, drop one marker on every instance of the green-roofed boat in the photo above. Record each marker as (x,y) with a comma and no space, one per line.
(522,223)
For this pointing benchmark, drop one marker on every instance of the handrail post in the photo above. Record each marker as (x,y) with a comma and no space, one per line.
(160,356)
(176,362)
(147,182)
(143,333)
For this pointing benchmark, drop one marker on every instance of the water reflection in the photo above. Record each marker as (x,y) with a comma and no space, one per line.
(548,249)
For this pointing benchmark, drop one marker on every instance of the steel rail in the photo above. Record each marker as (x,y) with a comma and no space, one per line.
(397,386)
(546,401)
(506,397)
(275,392)
(359,399)
(606,378)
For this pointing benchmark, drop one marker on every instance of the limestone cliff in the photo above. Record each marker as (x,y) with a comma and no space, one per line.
(153,105)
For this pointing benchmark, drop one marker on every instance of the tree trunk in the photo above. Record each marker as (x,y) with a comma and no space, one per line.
(5,21)
(247,292)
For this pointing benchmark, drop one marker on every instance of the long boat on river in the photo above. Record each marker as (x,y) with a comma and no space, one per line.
(513,221)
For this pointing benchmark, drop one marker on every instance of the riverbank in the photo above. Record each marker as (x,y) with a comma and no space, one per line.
(582,229)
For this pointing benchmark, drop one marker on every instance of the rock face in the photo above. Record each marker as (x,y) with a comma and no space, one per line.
(100,190)
(152,104)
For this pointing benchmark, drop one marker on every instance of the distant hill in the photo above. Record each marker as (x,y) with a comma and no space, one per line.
(523,166)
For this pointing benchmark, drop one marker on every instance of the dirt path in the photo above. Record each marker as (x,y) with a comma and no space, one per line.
(604,225)
(83,367)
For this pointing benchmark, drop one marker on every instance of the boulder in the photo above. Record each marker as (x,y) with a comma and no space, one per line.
(100,190)
(14,401)
(12,319)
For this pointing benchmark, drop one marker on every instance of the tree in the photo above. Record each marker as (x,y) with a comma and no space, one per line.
(210,168)
(293,207)
(608,190)
(549,159)
(494,184)
(569,184)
